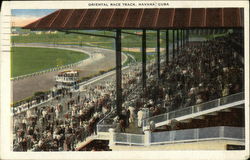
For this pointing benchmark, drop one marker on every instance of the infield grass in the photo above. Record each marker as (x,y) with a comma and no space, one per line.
(26,60)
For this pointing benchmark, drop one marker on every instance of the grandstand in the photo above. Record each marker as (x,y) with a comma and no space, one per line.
(192,97)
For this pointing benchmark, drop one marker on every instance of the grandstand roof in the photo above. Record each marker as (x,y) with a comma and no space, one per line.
(140,18)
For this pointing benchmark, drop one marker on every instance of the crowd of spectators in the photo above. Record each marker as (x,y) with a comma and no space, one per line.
(57,127)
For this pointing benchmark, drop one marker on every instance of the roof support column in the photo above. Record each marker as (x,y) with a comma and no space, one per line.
(184,31)
(173,32)
(144,59)
(243,42)
(158,55)
(178,40)
(167,46)
(187,36)
(118,72)
(184,37)
(181,38)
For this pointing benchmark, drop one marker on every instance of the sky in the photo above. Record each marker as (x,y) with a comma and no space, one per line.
(22,17)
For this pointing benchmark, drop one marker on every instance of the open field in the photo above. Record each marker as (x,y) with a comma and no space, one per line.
(25,60)
(128,40)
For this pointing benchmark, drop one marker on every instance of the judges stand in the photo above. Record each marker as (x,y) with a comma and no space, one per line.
(67,80)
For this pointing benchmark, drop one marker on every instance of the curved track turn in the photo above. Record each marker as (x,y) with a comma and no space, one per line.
(100,60)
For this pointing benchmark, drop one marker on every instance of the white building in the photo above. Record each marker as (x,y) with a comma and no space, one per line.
(67,79)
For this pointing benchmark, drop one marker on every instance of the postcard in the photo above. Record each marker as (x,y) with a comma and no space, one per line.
(125,80)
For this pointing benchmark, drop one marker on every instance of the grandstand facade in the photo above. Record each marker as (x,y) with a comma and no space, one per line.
(190,97)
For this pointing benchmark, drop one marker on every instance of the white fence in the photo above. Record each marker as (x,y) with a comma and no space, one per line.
(221,132)
(129,139)
(48,70)
(187,135)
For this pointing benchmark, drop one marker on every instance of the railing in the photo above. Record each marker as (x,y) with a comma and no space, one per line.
(48,70)
(220,132)
(23,106)
(129,139)
(66,79)
(232,98)
(187,135)
(194,109)
(106,123)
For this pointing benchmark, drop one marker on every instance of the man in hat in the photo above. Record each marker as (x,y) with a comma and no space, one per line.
(140,116)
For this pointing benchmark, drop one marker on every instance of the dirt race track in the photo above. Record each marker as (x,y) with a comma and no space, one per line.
(99,60)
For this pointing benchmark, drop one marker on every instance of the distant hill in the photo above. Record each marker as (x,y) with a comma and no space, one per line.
(19,30)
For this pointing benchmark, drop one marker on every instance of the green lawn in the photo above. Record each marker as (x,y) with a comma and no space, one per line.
(25,60)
